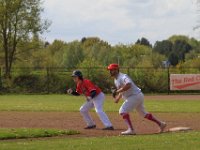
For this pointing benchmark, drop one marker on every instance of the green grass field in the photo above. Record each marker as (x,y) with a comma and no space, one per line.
(183,141)
(62,103)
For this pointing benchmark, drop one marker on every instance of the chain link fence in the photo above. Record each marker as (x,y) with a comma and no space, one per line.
(57,80)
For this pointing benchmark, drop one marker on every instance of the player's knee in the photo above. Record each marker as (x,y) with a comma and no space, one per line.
(82,110)
(122,112)
(99,111)
(143,114)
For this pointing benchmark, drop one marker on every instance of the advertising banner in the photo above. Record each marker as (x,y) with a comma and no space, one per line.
(184,82)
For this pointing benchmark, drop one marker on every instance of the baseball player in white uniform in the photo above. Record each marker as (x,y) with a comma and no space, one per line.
(134,99)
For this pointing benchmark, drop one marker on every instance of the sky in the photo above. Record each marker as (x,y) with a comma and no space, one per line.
(120,21)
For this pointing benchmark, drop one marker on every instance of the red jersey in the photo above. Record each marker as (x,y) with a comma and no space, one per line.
(86,87)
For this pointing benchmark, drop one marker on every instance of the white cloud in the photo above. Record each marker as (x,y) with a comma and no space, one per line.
(120,20)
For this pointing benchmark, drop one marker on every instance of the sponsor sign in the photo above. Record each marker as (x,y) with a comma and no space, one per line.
(184,82)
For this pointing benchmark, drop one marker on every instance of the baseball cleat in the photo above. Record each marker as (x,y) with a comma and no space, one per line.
(162,126)
(90,127)
(128,132)
(108,128)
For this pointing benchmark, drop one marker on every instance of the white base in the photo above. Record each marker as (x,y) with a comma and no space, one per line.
(176,129)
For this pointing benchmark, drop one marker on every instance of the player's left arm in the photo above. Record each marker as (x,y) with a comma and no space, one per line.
(126,87)
(93,93)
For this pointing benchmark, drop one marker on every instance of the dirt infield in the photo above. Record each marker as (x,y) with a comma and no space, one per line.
(73,120)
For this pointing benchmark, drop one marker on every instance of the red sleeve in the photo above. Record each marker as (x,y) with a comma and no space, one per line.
(78,89)
(90,86)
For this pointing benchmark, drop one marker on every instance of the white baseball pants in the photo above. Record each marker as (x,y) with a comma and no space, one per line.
(134,102)
(97,103)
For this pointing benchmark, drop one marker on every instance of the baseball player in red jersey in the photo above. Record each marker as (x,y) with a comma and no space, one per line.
(95,99)
(134,99)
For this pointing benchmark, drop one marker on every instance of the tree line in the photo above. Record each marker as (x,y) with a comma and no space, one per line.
(94,52)
(21,25)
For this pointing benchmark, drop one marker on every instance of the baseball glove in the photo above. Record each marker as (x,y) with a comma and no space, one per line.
(114,92)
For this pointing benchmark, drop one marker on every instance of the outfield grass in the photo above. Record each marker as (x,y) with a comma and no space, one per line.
(63,103)
(6,134)
(183,141)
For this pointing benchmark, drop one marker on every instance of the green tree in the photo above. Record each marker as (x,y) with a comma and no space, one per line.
(194,44)
(95,48)
(118,53)
(52,54)
(143,41)
(163,47)
(193,63)
(28,53)
(157,60)
(136,54)
(175,48)
(19,21)
(174,38)
(173,58)
(181,47)
(73,54)
(1,55)
(192,55)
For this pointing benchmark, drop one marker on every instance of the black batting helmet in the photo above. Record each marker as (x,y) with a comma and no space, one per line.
(77,73)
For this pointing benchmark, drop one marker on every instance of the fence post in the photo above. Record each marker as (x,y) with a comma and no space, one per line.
(48,90)
(168,76)
(88,72)
(128,71)
(1,78)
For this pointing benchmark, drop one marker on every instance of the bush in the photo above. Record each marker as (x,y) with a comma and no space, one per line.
(58,83)
(150,80)
(28,84)
(101,78)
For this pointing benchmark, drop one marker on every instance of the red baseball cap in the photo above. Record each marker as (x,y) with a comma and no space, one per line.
(113,66)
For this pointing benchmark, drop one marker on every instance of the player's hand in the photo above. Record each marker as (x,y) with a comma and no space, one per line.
(114,92)
(88,98)
(117,98)
(69,91)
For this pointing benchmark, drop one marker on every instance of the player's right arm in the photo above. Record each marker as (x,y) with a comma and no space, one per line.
(117,98)
(73,92)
